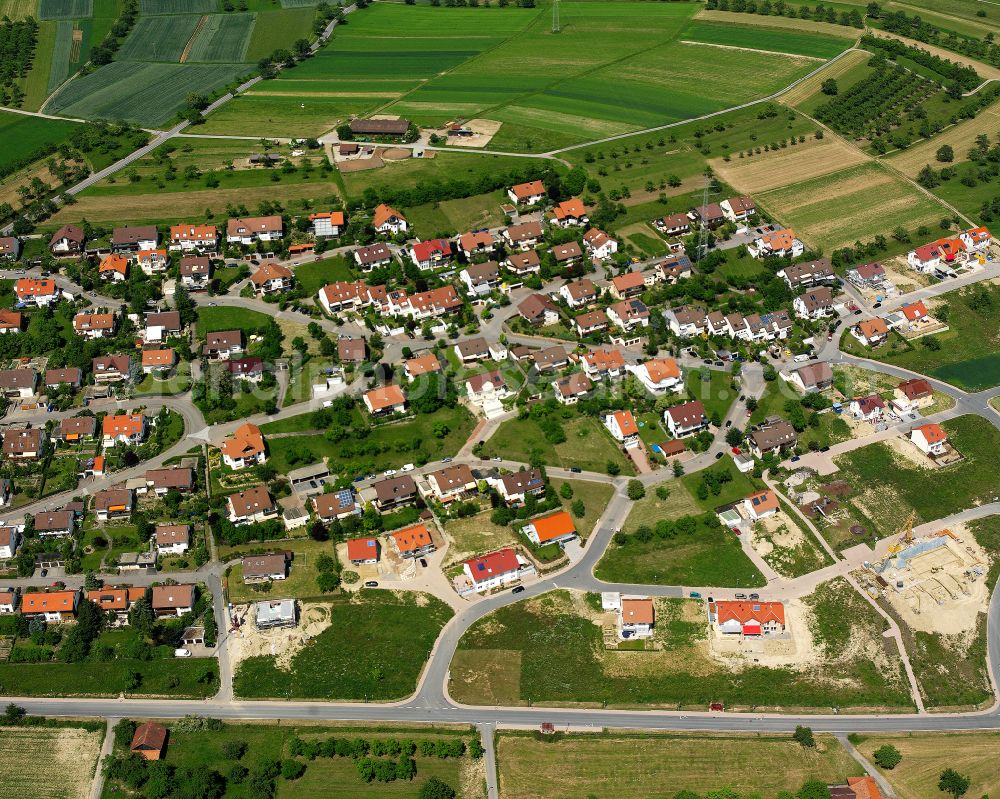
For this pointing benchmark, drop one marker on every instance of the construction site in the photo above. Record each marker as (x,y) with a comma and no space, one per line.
(936,583)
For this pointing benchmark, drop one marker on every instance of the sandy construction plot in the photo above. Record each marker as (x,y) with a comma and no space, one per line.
(65,771)
(803,91)
(772,170)
(961,137)
(778,22)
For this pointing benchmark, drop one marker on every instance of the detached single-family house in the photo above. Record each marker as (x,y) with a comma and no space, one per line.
(336,505)
(38,292)
(816,303)
(774,435)
(20,383)
(685,419)
(114,268)
(221,345)
(556,528)
(636,617)
(10,538)
(515,487)
(414,541)
(685,321)
(388,221)
(52,606)
(529,193)
(57,378)
(421,365)
(25,444)
(605,363)
(709,216)
(550,359)
(264,568)
(628,314)
(170,478)
(930,439)
(481,279)
(673,224)
(94,325)
(131,239)
(478,242)
(431,254)
(247,232)
(252,505)
(591,322)
(579,293)
(523,263)
(913,394)
(538,310)
(11,321)
(161,325)
(172,539)
(569,213)
(867,409)
(373,256)
(245,447)
(738,209)
(54,524)
(195,272)
(68,240)
(566,254)
(658,375)
(78,428)
(152,262)
(629,285)
(385,400)
(812,377)
(394,491)
(272,279)
(173,600)
(761,505)
(487,387)
(363,551)
(777,243)
(914,312)
(524,236)
(747,619)
(495,570)
(113,503)
(622,426)
(569,390)
(326,224)
(123,428)
(10,248)
(871,332)
(451,482)
(809,273)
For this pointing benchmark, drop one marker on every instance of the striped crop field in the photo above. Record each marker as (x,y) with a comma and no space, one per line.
(223,39)
(146,93)
(159,38)
(150,7)
(65,9)
(777,40)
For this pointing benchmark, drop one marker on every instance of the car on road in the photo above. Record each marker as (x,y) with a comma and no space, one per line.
(446,460)
(407,467)
(719,363)
(423,562)
(359,478)
(371,584)
(735,530)
(575,469)
(755,596)
(796,458)
(741,596)
(45,573)
(708,361)
(857,312)
(719,455)
(517,589)
(749,413)
(736,450)
(496,458)
(729,422)
(231,265)
(743,397)
(213,304)
(877,305)
(695,595)
(388,472)
(182,653)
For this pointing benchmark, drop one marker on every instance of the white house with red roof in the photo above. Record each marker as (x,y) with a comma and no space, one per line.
(930,438)
(752,618)
(569,213)
(976,239)
(622,426)
(658,375)
(915,312)
(495,570)
(760,505)
(387,220)
(327,223)
(599,244)
(529,193)
(556,528)
(636,616)
(363,551)
(432,253)
(867,409)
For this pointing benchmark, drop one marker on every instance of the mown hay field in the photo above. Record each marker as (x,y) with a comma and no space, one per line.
(842,207)
(64,772)
(960,137)
(625,764)
(811,85)
(789,166)
(23,136)
(782,23)
(780,40)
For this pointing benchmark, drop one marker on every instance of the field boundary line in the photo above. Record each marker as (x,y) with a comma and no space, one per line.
(186,53)
(753,50)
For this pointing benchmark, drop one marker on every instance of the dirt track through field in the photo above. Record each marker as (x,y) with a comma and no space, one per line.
(984,70)
(190,42)
(753,50)
(778,168)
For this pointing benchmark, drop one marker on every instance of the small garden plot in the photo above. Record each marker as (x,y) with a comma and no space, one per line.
(590,497)
(65,9)
(302,571)
(477,535)
(223,39)
(65,772)
(787,548)
(159,38)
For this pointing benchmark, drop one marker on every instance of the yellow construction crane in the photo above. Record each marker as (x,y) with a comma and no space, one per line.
(907,535)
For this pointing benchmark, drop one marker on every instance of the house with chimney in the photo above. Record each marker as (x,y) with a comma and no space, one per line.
(244,448)
(189,238)
(538,310)
(272,279)
(773,435)
(134,238)
(385,400)
(221,345)
(388,221)
(685,419)
(172,539)
(431,254)
(68,240)
(530,193)
(195,272)
(123,428)
(247,232)
(251,506)
(659,376)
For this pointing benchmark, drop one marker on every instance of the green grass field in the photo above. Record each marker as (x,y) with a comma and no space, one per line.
(313,276)
(61,48)
(757,38)
(278,27)
(966,353)
(890,488)
(301,580)
(150,7)
(223,318)
(224,39)
(159,677)
(23,137)
(147,93)
(373,650)
(508,657)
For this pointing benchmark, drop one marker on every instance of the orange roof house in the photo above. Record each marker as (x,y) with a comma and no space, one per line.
(52,604)
(245,446)
(362,550)
(385,398)
(864,787)
(114,264)
(26,287)
(123,425)
(637,611)
(569,210)
(914,311)
(384,213)
(873,330)
(557,527)
(413,541)
(748,618)
(158,359)
(525,191)
(422,364)
(761,504)
(660,369)
(336,218)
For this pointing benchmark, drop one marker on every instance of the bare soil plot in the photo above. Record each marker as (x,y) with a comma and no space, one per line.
(778,22)
(65,771)
(777,168)
(624,764)
(926,755)
(961,137)
(808,87)
(482,131)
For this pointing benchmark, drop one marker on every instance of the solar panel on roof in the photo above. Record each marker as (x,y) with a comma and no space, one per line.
(344,496)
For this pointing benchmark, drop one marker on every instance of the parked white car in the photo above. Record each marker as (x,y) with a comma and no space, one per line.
(182,653)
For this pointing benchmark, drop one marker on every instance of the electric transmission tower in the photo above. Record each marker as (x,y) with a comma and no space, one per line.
(703,231)
(555,16)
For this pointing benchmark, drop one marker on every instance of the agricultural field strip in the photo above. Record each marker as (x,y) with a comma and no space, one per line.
(960,137)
